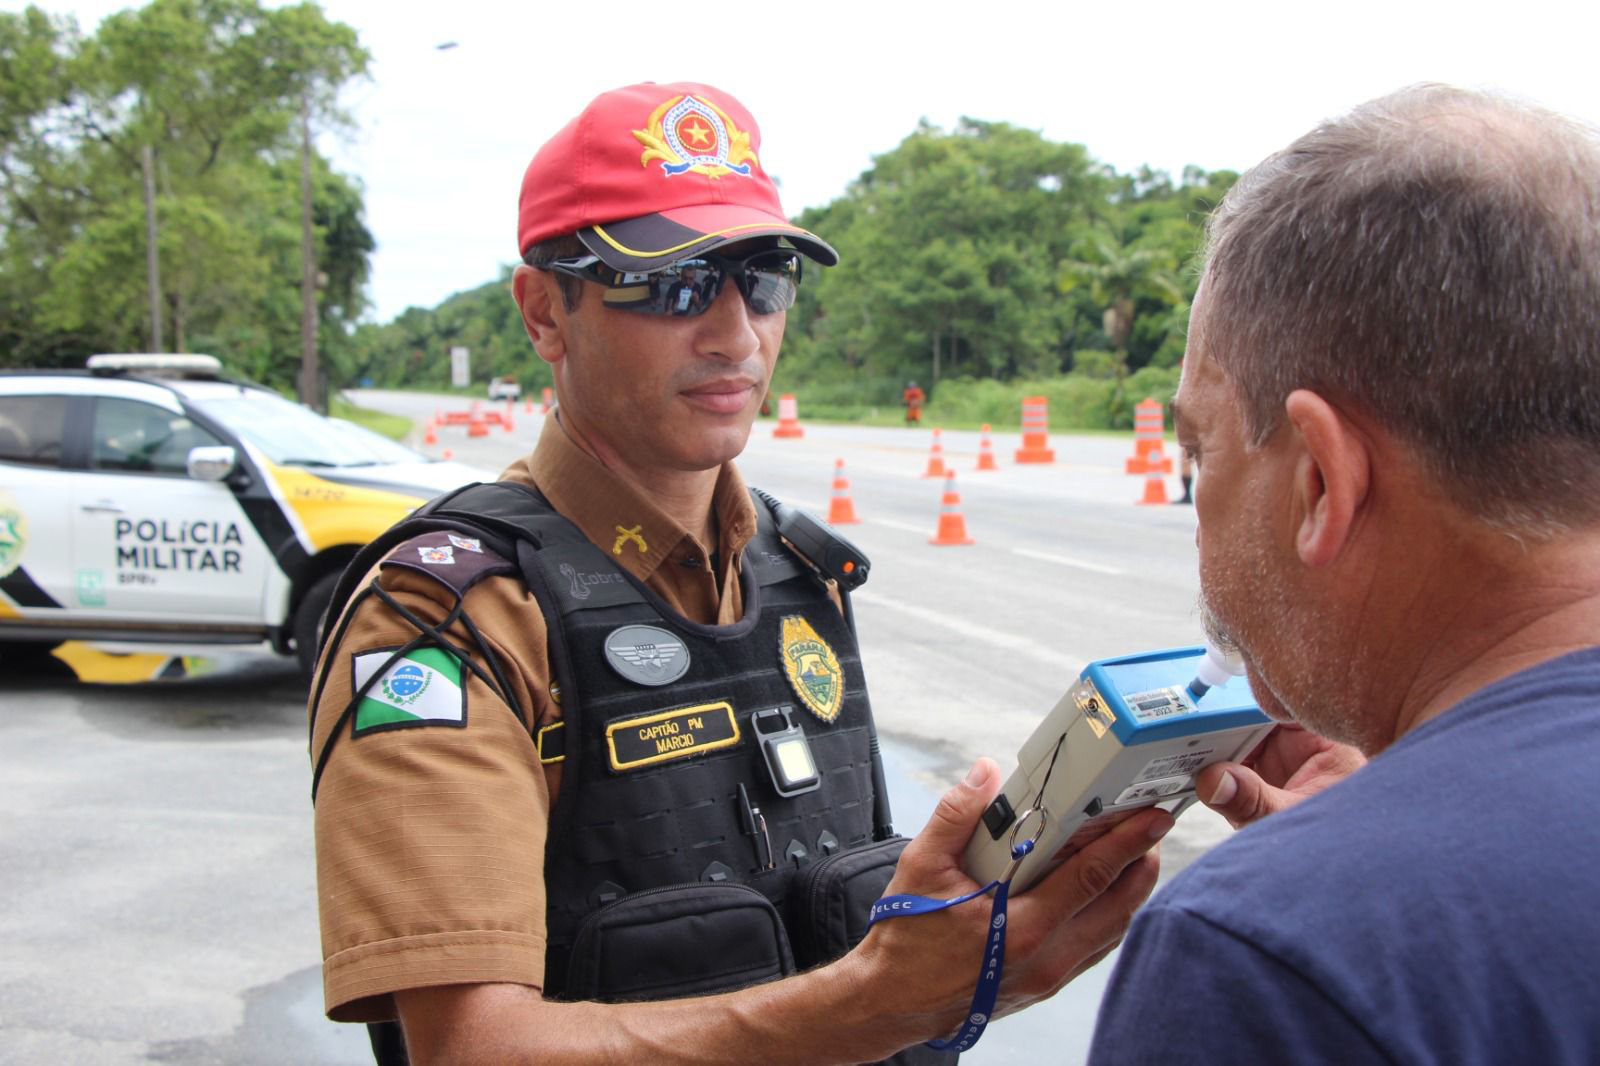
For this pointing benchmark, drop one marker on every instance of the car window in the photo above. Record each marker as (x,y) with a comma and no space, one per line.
(32,428)
(143,438)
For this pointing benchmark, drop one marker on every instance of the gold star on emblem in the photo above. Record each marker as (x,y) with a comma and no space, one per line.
(698,133)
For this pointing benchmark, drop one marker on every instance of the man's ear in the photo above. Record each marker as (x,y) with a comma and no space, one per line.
(1331,477)
(544,315)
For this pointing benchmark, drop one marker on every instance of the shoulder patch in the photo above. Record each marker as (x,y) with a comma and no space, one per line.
(421,687)
(454,559)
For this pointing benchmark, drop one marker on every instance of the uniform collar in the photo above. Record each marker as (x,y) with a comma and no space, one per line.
(624,522)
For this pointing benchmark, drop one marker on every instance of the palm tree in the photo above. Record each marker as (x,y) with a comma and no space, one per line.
(1117,275)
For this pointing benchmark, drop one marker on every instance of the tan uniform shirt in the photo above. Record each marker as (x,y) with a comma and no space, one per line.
(430,840)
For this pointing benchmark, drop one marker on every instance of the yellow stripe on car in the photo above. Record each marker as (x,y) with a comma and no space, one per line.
(331,513)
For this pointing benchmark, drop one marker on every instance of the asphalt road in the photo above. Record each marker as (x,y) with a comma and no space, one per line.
(158,873)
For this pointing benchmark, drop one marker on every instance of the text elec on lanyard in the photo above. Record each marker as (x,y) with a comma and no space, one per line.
(994,949)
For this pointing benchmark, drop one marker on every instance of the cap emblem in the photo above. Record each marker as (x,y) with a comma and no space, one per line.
(689,134)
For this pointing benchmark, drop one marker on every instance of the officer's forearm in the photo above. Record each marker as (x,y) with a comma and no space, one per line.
(841,1013)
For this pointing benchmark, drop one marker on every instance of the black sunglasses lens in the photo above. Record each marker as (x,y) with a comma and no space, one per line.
(686,287)
(771,281)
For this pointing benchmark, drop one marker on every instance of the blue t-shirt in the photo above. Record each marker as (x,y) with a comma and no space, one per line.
(1440,906)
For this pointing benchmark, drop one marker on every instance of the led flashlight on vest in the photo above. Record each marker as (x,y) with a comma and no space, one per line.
(786,751)
(828,553)
(1131,733)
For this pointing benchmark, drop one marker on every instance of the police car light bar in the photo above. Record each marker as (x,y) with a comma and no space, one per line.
(153,362)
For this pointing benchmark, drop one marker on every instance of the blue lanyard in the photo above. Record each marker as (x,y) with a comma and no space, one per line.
(994,950)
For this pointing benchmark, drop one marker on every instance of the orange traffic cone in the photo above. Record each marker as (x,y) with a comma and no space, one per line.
(986,451)
(936,467)
(841,509)
(476,425)
(527,406)
(952,526)
(448,454)
(788,417)
(511,410)
(428,435)
(1155,488)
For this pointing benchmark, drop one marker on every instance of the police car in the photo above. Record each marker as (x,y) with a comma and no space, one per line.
(151,501)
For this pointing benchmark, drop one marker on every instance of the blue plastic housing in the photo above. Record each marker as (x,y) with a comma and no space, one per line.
(1224,706)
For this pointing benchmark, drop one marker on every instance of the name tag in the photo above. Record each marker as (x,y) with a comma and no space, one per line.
(656,738)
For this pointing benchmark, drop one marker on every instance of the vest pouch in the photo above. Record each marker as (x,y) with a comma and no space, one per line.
(678,940)
(831,909)
(835,897)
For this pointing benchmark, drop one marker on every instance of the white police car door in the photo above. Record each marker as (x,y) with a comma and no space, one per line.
(151,543)
(35,507)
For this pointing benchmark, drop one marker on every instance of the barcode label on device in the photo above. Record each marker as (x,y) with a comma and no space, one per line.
(1158,703)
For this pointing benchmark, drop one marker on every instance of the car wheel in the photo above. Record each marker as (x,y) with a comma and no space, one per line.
(309,619)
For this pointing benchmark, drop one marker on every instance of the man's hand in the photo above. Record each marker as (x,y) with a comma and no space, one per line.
(1060,927)
(1292,764)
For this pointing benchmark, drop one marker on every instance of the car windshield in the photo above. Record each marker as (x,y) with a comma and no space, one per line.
(293,435)
(382,448)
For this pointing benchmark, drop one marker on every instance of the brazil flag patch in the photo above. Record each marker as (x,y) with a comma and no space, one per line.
(421,688)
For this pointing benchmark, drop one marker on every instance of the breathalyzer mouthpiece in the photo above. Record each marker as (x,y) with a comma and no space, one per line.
(1215,668)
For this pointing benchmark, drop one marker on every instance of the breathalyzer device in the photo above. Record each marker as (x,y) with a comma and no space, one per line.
(1129,734)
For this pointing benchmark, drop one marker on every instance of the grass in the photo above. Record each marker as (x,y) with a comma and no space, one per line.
(392,426)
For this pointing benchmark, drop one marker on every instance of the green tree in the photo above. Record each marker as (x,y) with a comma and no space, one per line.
(213,89)
(1116,276)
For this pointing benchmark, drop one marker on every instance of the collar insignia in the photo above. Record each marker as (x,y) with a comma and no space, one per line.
(466,544)
(688,134)
(443,555)
(624,536)
(812,668)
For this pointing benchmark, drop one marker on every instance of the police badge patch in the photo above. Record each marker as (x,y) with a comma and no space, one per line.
(812,668)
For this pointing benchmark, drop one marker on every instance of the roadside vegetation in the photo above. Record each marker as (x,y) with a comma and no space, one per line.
(986,262)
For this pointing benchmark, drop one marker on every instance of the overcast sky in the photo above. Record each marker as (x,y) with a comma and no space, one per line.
(444,135)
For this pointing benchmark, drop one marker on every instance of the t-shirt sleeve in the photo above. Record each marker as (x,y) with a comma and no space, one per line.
(432,805)
(1185,991)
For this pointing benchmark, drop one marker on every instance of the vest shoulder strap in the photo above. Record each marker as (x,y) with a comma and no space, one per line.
(499,513)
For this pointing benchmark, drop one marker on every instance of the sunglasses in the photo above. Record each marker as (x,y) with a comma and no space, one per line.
(769,281)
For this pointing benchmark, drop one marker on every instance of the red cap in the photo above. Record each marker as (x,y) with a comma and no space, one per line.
(649,174)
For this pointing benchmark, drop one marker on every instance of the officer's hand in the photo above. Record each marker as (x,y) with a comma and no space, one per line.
(928,964)
(1292,764)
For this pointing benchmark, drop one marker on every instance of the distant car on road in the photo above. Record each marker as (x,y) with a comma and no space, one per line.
(506,388)
(150,500)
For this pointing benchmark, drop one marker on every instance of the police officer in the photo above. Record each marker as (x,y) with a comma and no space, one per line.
(593,761)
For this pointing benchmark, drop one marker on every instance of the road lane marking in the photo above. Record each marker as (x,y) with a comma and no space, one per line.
(1059,660)
(1063,560)
(905,527)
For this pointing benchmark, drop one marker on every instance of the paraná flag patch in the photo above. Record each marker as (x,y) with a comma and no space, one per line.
(422,688)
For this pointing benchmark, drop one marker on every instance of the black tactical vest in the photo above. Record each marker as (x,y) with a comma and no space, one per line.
(667,806)
(674,865)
